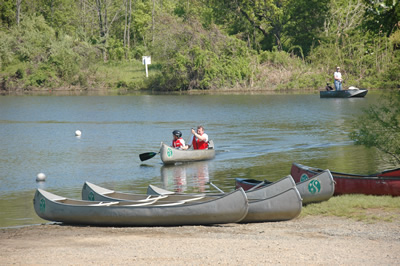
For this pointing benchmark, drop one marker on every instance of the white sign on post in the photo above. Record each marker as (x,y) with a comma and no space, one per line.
(146,60)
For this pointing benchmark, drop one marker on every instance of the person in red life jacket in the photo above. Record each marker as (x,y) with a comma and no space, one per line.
(178,142)
(199,139)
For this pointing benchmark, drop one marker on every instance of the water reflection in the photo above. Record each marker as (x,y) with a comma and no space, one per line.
(193,177)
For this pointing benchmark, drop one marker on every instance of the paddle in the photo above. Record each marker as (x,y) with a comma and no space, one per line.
(147,155)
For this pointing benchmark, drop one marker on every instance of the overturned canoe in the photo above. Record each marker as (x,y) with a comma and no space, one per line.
(228,208)
(316,189)
(385,183)
(170,155)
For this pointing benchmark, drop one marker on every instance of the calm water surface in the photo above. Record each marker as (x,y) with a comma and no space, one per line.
(256,136)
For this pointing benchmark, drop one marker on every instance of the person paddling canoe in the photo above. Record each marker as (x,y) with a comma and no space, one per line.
(199,140)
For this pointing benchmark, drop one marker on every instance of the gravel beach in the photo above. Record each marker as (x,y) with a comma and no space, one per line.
(309,240)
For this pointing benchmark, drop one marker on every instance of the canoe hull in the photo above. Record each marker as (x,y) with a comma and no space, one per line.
(319,188)
(352,184)
(343,94)
(278,201)
(230,208)
(170,155)
(280,207)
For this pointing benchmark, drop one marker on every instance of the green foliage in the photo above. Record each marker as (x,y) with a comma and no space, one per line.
(382,16)
(32,39)
(379,126)
(193,58)
(7,13)
(201,44)
(6,52)
(305,22)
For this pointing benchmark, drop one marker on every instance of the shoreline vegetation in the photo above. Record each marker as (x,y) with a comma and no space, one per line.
(71,45)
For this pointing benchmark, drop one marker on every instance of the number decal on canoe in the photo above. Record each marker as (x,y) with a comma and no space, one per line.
(314,186)
(91,196)
(169,152)
(42,205)
(303,177)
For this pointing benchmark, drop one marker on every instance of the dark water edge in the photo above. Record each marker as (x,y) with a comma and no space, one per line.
(83,92)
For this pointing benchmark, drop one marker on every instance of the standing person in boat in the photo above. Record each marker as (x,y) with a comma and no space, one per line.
(199,139)
(338,79)
(178,142)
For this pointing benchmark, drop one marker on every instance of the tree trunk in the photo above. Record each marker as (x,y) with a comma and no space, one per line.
(129,27)
(152,26)
(18,11)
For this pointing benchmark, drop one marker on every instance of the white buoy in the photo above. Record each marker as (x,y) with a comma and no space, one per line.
(78,133)
(40,177)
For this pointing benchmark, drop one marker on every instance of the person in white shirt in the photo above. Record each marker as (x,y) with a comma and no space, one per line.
(199,139)
(338,79)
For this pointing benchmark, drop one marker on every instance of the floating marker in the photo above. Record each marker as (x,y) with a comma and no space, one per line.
(78,133)
(40,177)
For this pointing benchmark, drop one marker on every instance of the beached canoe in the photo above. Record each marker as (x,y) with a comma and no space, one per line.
(316,189)
(229,208)
(355,93)
(92,192)
(280,201)
(385,183)
(170,155)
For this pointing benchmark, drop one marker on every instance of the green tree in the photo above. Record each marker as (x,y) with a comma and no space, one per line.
(379,127)
(305,22)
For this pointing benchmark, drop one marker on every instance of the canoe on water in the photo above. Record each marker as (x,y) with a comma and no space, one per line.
(229,208)
(316,189)
(355,93)
(170,155)
(384,183)
(280,201)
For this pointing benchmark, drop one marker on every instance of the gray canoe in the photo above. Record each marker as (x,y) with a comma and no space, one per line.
(228,208)
(279,201)
(311,190)
(92,192)
(170,155)
(283,206)
(318,188)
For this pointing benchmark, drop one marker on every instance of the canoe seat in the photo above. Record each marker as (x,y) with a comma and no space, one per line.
(142,203)
(171,204)
(151,198)
(192,199)
(105,203)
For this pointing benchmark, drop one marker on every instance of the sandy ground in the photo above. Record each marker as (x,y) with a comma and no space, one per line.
(310,240)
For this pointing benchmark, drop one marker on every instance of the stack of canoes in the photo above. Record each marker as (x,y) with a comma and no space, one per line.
(279,201)
(143,210)
(252,201)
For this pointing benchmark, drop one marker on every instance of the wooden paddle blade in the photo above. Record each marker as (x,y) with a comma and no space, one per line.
(147,155)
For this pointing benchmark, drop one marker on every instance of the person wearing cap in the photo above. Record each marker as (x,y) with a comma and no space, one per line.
(178,142)
(338,79)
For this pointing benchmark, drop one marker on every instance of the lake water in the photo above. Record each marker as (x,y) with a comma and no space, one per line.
(256,136)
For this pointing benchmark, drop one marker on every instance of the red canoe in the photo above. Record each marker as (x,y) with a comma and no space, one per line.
(384,183)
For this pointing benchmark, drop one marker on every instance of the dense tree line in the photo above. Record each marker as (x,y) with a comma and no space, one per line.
(201,44)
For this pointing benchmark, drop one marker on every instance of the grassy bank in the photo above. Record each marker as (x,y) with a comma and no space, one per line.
(364,208)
